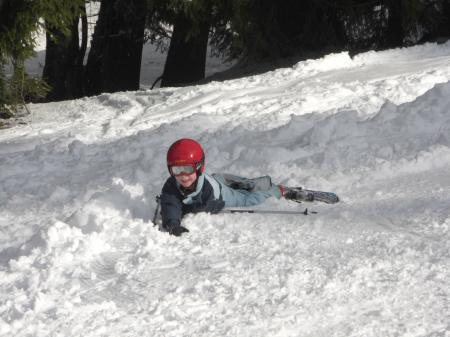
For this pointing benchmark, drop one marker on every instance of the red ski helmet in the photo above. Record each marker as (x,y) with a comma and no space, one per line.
(188,153)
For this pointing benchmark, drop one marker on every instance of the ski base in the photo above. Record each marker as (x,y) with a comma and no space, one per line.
(299,194)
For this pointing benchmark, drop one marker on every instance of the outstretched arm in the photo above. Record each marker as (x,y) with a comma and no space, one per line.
(172,209)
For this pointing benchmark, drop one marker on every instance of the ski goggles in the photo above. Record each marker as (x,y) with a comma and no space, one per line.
(181,170)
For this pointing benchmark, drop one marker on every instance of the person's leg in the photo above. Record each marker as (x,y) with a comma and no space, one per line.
(239,197)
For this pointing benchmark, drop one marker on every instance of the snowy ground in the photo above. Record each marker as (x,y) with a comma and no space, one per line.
(79,255)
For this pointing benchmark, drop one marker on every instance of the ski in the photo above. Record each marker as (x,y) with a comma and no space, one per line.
(299,194)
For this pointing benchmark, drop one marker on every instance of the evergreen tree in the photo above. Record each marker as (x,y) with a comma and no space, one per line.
(19,21)
(264,29)
(114,60)
(393,23)
(433,19)
(186,58)
(186,24)
(64,58)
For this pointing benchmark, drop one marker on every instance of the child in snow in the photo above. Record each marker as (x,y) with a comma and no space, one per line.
(190,190)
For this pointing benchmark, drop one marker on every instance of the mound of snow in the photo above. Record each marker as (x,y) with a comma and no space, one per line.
(80,256)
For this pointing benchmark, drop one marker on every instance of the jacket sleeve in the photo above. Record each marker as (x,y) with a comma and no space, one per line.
(171,205)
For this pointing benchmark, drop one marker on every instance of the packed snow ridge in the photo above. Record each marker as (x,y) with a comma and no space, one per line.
(80,256)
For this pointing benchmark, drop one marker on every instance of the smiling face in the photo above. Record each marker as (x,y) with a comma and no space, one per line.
(186,180)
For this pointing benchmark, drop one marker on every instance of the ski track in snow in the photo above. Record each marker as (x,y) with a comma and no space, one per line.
(79,255)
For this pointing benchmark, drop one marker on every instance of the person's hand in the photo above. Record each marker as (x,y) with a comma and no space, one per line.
(214,206)
(178,230)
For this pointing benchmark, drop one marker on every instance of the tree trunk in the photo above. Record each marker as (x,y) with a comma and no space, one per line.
(60,61)
(446,23)
(185,62)
(394,34)
(79,50)
(114,61)
(92,78)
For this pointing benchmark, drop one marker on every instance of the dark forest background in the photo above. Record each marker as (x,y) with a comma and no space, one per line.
(251,31)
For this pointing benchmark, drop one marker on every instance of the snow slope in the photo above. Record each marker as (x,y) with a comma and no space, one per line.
(79,255)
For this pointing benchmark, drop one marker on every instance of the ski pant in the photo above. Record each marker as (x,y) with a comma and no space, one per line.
(239,191)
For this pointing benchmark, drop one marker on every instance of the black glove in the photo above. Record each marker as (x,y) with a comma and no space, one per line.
(214,206)
(178,230)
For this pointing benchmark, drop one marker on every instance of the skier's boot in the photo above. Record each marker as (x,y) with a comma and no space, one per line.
(299,194)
